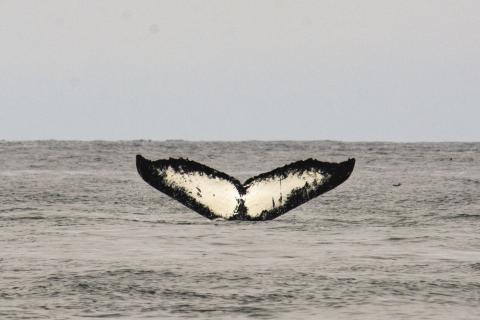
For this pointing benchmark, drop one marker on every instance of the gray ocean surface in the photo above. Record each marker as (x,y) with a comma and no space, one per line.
(83,236)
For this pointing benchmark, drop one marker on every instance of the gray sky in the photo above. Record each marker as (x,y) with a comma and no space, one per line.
(235,70)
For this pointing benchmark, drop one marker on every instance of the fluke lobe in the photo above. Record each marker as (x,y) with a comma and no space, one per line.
(215,194)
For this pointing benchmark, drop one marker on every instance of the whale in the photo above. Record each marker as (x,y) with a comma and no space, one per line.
(217,195)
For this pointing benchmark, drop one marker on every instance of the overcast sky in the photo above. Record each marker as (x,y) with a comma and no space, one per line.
(239,70)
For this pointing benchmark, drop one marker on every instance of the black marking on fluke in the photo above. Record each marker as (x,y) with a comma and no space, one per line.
(155,174)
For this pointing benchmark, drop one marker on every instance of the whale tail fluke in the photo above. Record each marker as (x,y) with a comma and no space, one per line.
(215,194)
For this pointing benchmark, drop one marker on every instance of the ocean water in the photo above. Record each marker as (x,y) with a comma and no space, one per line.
(83,236)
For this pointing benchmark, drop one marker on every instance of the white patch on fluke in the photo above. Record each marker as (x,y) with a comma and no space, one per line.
(267,194)
(219,195)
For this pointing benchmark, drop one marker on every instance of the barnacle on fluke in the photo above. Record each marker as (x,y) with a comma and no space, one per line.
(215,194)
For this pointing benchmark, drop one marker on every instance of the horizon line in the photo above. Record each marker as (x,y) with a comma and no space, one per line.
(239,141)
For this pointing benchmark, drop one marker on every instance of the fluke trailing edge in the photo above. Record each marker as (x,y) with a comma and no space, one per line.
(215,194)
